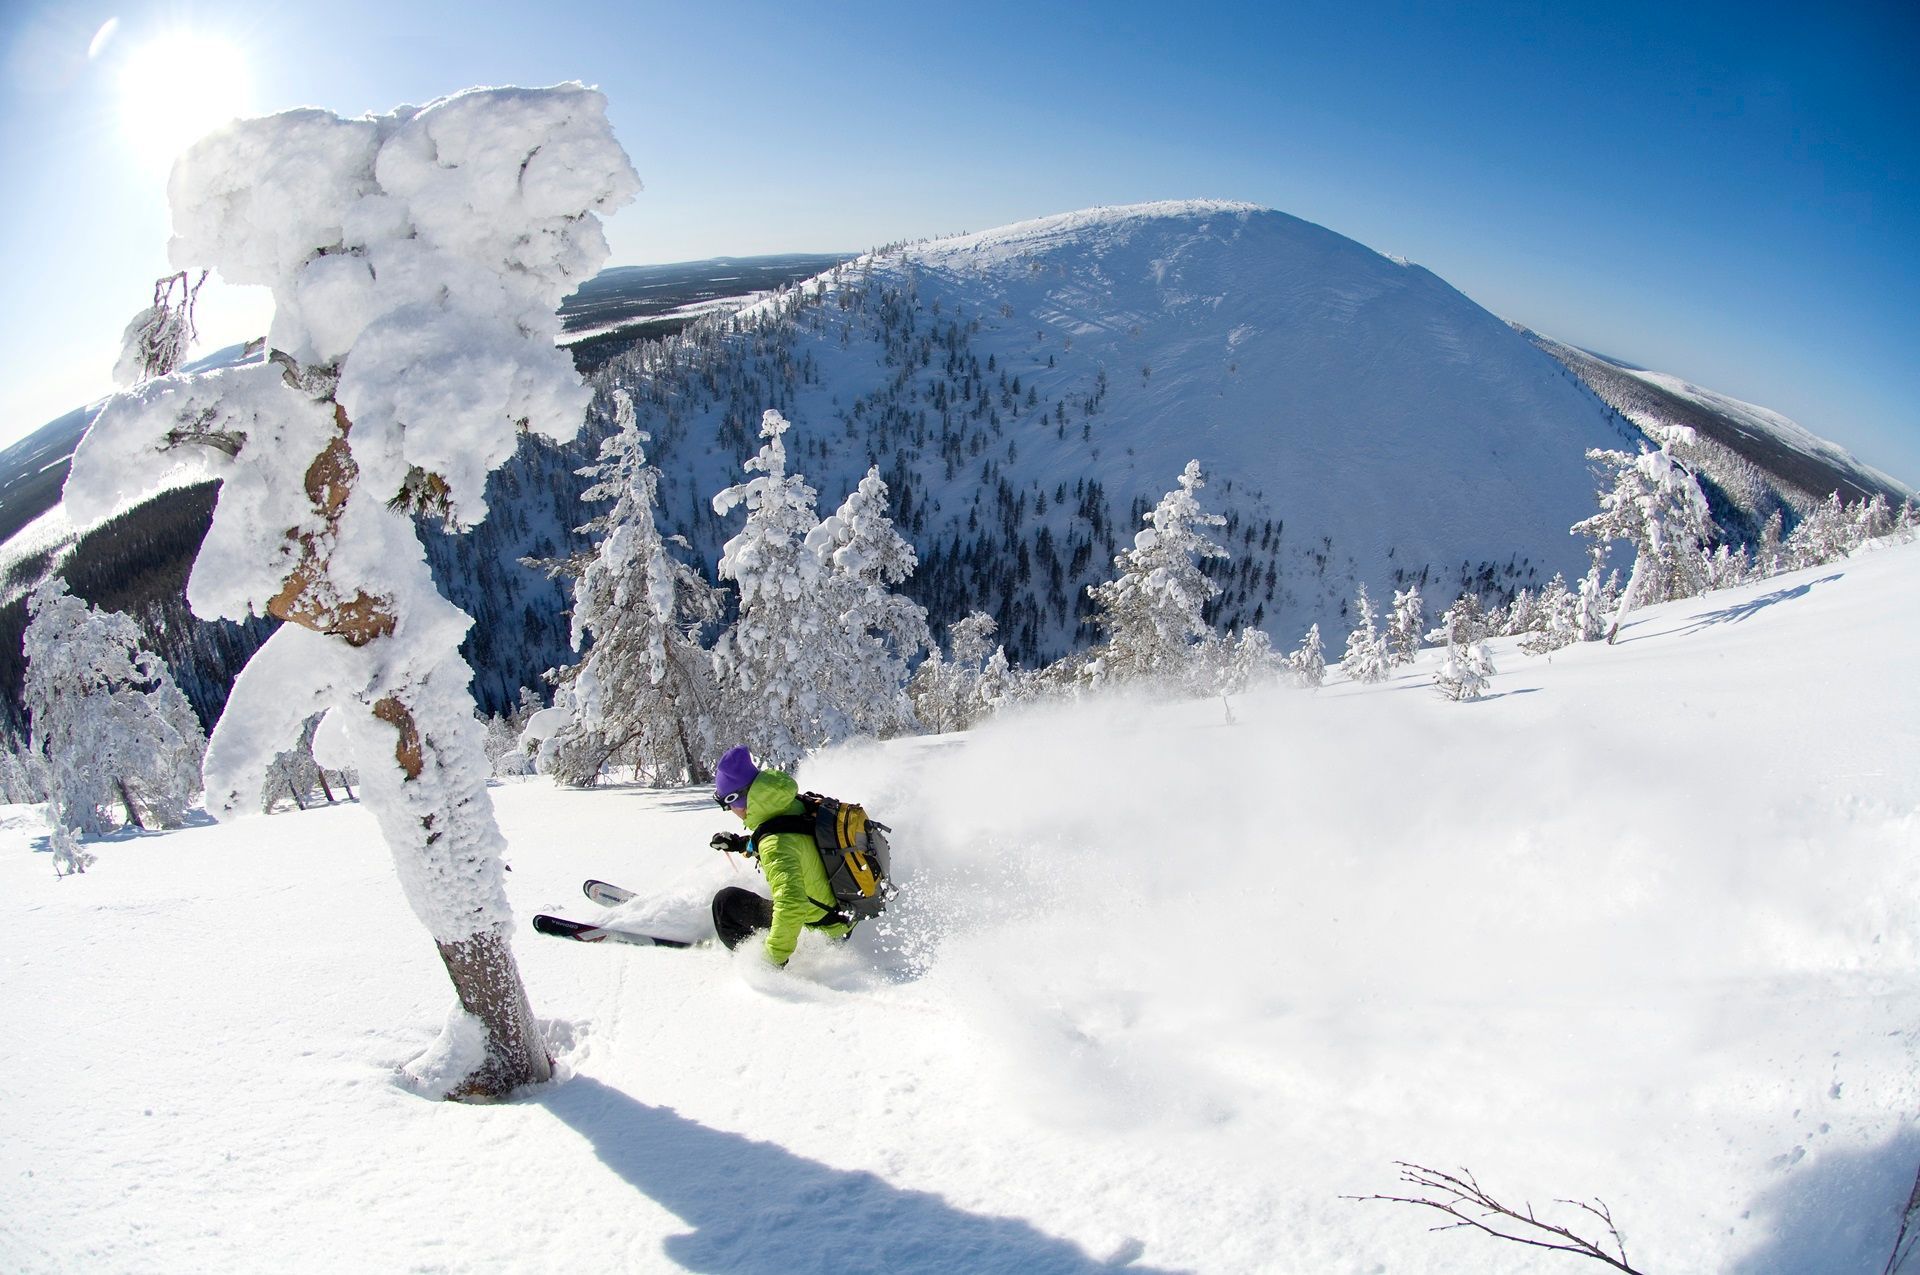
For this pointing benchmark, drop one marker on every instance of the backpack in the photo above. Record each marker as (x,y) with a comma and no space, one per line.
(853,849)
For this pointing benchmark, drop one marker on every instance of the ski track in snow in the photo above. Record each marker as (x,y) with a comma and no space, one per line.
(1641,926)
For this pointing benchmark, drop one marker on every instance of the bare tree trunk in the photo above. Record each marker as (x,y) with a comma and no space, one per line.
(487,979)
(292,787)
(126,799)
(325,787)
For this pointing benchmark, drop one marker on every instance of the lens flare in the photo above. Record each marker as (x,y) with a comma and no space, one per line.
(176,88)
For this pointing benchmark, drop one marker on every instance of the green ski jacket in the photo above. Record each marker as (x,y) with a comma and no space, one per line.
(796,878)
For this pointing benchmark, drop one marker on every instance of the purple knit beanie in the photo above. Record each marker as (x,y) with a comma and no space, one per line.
(733,776)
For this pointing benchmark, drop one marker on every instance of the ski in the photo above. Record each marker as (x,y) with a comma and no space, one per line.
(582,932)
(607,896)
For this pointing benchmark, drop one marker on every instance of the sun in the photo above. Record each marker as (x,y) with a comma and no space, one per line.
(177,87)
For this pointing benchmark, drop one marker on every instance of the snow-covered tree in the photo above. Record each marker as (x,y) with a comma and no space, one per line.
(1236,664)
(1770,555)
(415,261)
(1825,535)
(1152,610)
(1653,503)
(23,776)
(1873,518)
(1367,658)
(1465,621)
(1405,625)
(953,692)
(771,663)
(505,732)
(645,694)
(1596,598)
(1307,665)
(156,341)
(1521,616)
(870,633)
(1555,619)
(1726,567)
(1467,667)
(107,719)
(297,776)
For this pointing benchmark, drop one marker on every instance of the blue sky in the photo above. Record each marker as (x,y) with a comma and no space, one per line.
(1729,193)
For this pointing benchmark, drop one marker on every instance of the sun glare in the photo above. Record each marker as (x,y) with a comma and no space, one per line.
(176,88)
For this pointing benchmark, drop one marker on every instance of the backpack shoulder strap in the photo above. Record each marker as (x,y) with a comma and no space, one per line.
(802,824)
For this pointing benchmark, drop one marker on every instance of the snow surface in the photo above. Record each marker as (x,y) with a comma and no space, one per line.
(1641,926)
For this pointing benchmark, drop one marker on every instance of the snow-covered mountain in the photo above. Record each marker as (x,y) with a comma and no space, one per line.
(1025,389)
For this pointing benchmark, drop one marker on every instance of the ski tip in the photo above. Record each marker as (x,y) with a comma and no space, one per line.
(605,893)
(560,927)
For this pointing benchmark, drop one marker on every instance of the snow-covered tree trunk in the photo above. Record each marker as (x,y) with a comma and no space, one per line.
(416,261)
(431,803)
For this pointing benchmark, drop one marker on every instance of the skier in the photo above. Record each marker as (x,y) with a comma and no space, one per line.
(795,876)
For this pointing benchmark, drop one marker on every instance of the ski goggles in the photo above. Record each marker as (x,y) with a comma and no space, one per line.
(730,800)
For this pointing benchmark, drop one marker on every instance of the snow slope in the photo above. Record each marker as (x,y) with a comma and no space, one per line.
(1644,926)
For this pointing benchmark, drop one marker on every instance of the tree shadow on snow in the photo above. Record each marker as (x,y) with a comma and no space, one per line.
(1835,1212)
(125,833)
(1747,610)
(759,1209)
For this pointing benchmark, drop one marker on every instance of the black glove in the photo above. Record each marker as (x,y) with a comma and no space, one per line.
(729,842)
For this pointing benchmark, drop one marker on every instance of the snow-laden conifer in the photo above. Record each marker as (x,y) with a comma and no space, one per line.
(1237,663)
(645,695)
(1467,667)
(1770,555)
(1367,658)
(1653,503)
(23,776)
(1825,535)
(772,666)
(1153,608)
(954,691)
(1307,664)
(1555,619)
(107,719)
(1405,625)
(1873,518)
(505,733)
(416,261)
(1596,597)
(869,634)
(1521,616)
